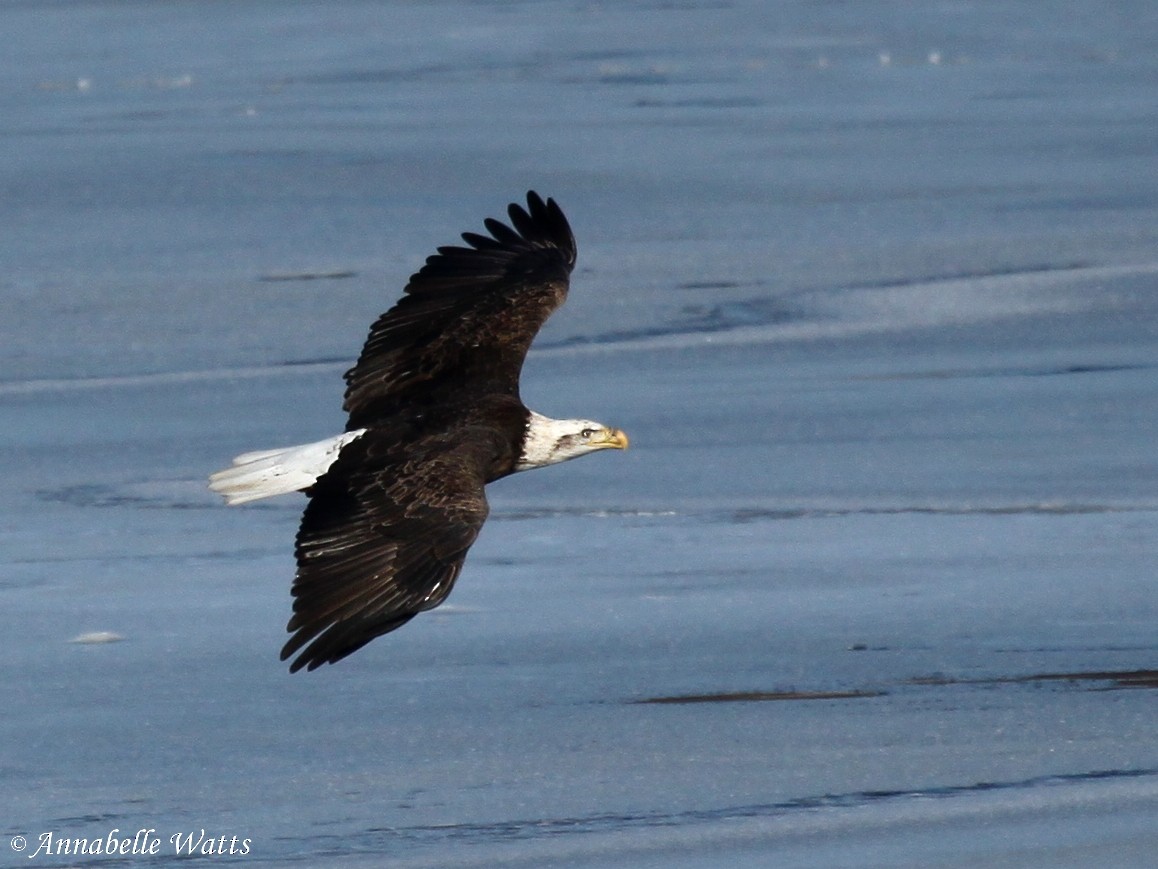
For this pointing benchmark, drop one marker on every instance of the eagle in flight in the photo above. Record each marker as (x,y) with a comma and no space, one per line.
(396,500)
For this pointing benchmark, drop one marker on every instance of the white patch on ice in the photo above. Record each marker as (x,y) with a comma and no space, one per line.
(94,638)
(851,311)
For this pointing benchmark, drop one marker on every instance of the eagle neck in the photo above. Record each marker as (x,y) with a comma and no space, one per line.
(540,436)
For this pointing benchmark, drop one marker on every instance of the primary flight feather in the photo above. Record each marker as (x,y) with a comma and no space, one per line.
(434,415)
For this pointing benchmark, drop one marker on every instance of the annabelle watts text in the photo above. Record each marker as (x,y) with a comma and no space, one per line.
(143,842)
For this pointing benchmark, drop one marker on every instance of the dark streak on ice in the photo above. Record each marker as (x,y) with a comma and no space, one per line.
(534,828)
(307,276)
(949,374)
(973,274)
(760,696)
(1118,679)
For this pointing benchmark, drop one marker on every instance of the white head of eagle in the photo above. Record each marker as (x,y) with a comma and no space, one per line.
(549,441)
(434,415)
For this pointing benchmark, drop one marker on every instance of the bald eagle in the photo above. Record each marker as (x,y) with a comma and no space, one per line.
(396,500)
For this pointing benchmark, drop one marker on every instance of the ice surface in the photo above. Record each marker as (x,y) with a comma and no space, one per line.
(871,287)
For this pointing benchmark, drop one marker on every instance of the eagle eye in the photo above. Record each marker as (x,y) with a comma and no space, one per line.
(587,433)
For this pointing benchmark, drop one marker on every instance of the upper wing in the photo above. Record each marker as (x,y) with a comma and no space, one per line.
(467,317)
(382,539)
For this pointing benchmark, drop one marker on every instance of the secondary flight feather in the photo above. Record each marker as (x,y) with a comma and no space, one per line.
(434,415)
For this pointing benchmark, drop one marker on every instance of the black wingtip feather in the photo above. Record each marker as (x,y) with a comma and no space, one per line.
(537,229)
(338,641)
(502,233)
(480,242)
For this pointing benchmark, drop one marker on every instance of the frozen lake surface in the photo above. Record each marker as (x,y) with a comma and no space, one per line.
(874,289)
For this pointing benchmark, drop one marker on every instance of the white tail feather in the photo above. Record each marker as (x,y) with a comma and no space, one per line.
(266,473)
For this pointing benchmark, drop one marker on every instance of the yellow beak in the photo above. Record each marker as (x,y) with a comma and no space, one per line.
(616,438)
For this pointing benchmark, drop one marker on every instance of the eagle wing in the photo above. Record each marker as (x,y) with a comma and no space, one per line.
(383,538)
(467,318)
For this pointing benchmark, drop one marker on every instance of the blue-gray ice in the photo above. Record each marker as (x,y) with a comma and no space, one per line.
(872,286)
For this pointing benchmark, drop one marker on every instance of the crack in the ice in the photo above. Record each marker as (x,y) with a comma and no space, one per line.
(531,828)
